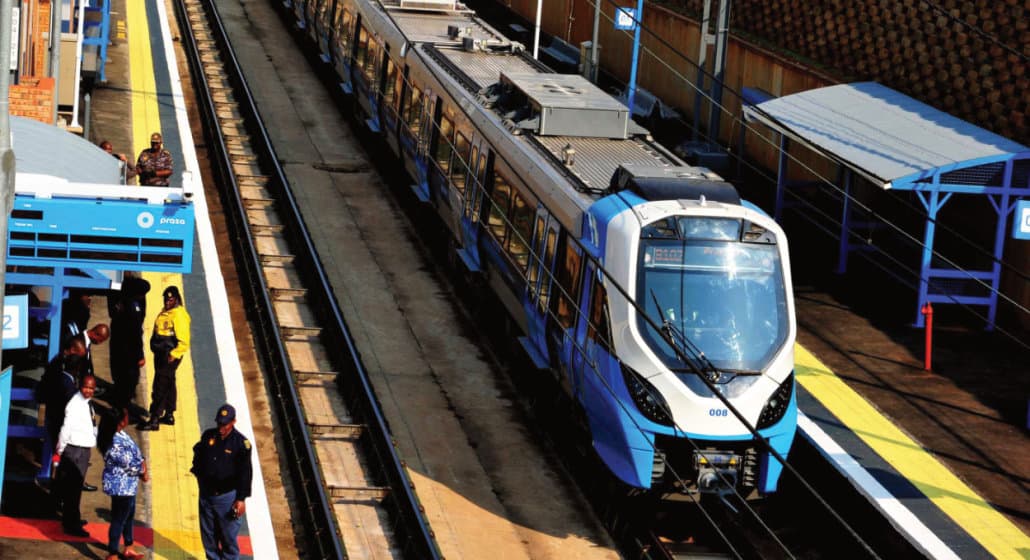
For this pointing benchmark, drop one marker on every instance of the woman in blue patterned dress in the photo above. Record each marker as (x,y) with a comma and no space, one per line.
(124,466)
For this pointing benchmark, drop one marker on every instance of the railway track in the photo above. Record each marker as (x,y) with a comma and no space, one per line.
(352,495)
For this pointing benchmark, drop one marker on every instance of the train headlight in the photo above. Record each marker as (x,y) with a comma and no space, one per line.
(649,401)
(777,405)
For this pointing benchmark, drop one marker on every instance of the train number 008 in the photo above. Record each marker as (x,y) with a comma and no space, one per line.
(718,412)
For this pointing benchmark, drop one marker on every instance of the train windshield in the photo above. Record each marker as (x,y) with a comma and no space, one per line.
(719,284)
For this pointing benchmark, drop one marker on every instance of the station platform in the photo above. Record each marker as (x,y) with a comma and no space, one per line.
(143,94)
(943,454)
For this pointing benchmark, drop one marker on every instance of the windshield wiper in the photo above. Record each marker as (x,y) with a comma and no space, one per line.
(675,338)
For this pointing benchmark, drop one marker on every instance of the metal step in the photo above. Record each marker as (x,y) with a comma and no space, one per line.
(343,494)
(300,331)
(269,258)
(336,431)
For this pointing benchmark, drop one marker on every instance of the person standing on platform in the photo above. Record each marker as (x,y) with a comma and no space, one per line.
(154,165)
(128,167)
(59,384)
(75,312)
(127,310)
(169,342)
(222,465)
(124,467)
(77,438)
(97,334)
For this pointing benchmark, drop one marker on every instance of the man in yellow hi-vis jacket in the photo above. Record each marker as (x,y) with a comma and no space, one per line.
(169,342)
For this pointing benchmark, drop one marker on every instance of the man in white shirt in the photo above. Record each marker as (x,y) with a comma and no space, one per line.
(75,442)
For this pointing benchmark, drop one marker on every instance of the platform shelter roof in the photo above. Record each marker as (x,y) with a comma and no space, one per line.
(43,149)
(886,136)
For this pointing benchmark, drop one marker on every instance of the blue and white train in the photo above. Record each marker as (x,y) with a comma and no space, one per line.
(602,245)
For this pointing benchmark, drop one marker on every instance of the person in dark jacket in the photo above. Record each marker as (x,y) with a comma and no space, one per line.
(59,382)
(222,465)
(127,308)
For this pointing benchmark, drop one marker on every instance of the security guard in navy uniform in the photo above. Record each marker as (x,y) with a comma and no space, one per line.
(221,463)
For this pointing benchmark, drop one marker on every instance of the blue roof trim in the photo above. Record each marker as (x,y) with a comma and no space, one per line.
(913,182)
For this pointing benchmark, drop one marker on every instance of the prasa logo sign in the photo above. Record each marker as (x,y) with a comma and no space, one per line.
(175,221)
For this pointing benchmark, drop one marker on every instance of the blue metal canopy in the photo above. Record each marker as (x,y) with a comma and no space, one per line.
(900,143)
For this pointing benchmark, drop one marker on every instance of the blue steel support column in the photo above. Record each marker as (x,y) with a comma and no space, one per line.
(636,54)
(781,177)
(933,206)
(1004,208)
(845,225)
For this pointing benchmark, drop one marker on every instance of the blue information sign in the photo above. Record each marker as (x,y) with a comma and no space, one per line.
(16,326)
(1021,227)
(625,19)
(101,234)
(5,413)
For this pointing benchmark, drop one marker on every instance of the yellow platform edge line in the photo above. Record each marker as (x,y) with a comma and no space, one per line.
(986,525)
(173,490)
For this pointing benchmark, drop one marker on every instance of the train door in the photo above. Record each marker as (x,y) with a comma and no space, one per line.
(299,9)
(440,148)
(389,98)
(473,203)
(581,362)
(538,285)
(343,47)
(326,14)
(365,73)
(563,304)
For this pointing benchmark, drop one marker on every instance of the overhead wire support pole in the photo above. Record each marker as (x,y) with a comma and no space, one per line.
(80,36)
(702,58)
(722,30)
(593,42)
(536,30)
(56,6)
(636,54)
(6,152)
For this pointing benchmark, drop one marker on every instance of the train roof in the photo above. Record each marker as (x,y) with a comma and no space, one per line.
(566,112)
(560,123)
(421,27)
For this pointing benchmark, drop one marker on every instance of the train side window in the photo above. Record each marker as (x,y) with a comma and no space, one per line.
(398,89)
(369,66)
(460,162)
(390,83)
(545,286)
(481,177)
(497,219)
(534,264)
(361,54)
(344,22)
(522,234)
(568,284)
(598,328)
(444,144)
(412,112)
(323,14)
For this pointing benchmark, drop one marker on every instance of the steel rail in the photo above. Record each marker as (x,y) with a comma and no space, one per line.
(316,510)
(411,530)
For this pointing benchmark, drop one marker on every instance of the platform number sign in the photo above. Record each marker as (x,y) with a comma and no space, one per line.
(625,19)
(1021,229)
(16,312)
